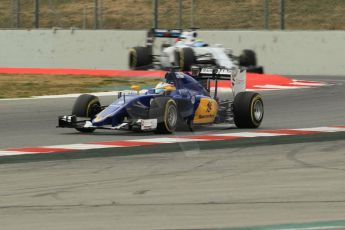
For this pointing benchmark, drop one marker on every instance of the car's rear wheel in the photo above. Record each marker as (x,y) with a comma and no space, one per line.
(191,125)
(248,110)
(255,69)
(87,106)
(248,58)
(164,109)
(140,58)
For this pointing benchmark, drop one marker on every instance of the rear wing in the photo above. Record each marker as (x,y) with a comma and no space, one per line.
(215,73)
(161,33)
(235,75)
(164,33)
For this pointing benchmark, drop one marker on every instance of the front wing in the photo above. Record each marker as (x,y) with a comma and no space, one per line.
(72,121)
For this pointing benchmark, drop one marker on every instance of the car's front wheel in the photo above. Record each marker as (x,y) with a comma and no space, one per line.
(185,58)
(87,106)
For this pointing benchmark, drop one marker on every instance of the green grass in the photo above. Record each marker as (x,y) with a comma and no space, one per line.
(19,86)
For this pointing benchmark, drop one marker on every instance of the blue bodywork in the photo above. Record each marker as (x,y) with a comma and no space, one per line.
(133,106)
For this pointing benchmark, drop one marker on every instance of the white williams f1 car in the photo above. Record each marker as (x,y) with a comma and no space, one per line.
(187,51)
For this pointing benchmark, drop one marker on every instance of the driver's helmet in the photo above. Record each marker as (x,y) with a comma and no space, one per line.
(161,87)
(199,43)
(186,38)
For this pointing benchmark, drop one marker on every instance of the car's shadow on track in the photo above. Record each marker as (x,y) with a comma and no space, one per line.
(178,132)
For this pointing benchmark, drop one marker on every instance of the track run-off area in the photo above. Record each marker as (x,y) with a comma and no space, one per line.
(254,81)
(288,174)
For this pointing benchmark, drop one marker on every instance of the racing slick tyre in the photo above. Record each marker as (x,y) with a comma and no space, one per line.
(185,58)
(247,58)
(191,125)
(140,58)
(255,69)
(248,110)
(164,109)
(86,105)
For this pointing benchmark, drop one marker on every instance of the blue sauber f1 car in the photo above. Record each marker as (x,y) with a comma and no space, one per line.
(182,98)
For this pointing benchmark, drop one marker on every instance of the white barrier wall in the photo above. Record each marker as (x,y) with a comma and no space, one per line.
(67,48)
(290,53)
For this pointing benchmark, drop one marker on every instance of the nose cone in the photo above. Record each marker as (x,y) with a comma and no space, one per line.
(105,115)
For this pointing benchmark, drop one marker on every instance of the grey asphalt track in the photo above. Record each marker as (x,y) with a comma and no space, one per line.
(251,186)
(27,123)
(190,189)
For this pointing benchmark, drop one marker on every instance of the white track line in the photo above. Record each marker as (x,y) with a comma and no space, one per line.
(82,146)
(322,129)
(13,153)
(309,84)
(280,87)
(293,85)
(250,134)
(167,140)
(312,228)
